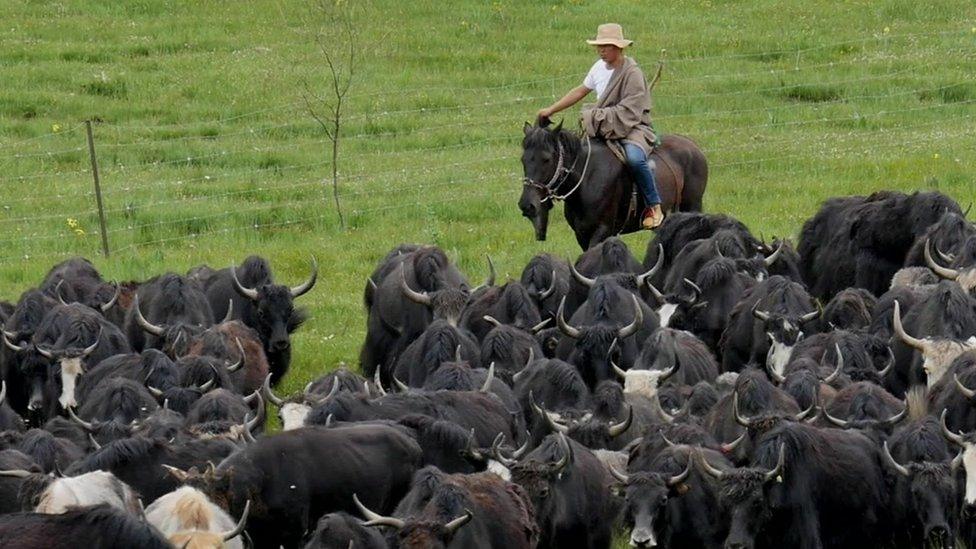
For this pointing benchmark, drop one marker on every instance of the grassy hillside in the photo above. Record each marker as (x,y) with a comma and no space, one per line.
(208,152)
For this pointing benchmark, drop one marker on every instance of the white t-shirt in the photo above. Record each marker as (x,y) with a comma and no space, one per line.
(598,78)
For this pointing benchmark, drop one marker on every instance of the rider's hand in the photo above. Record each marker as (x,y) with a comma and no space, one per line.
(543,116)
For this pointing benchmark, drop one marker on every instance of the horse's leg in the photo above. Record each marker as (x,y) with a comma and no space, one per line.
(601,233)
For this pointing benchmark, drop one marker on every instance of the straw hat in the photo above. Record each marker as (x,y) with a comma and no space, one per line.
(610,33)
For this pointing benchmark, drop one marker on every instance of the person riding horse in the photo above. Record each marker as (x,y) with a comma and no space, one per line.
(622,112)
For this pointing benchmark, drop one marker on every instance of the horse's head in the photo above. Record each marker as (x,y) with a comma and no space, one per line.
(541,161)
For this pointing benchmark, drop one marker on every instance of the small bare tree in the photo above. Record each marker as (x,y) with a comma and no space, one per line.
(336,40)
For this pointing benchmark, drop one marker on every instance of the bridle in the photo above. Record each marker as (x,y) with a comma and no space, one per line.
(560,174)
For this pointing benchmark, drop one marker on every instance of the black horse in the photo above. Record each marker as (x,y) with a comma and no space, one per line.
(597,187)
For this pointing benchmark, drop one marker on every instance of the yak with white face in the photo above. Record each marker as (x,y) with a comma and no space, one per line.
(766,324)
(937,352)
(76,337)
(46,494)
(190,520)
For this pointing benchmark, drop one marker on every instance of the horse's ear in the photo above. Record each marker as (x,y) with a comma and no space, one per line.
(527,128)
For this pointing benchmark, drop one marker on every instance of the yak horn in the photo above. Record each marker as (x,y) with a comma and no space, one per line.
(620,371)
(761,315)
(645,278)
(11,345)
(94,443)
(891,364)
(540,326)
(249,293)
(453,526)
(230,311)
(680,477)
(490,281)
(944,272)
(521,450)
(919,344)
(944,257)
(632,328)
(729,447)
(304,287)
(707,467)
(176,472)
(411,294)
(622,477)
(91,348)
(780,463)
(332,392)
(658,296)
(240,361)
(620,428)
(564,327)
(554,425)
(898,417)
(104,307)
(547,293)
(489,378)
(966,391)
(86,425)
(374,519)
(16,473)
(143,323)
(694,287)
(378,383)
(811,315)
(57,291)
(492,320)
(743,421)
(567,452)
(269,394)
(239,529)
(3,391)
(580,277)
(770,259)
(840,366)
(497,453)
(842,423)
(902,470)
(953,437)
(401,386)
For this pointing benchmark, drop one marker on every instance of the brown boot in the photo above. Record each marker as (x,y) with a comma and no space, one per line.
(652,217)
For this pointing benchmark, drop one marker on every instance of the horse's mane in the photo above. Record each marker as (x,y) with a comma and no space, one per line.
(544,138)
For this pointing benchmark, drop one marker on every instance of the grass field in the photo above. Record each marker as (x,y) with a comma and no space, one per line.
(207,151)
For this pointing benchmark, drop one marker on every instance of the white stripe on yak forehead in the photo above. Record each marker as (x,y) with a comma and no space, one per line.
(969,464)
(778,355)
(666,312)
(70,370)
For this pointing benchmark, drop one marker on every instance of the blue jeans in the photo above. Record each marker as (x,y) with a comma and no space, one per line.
(643,174)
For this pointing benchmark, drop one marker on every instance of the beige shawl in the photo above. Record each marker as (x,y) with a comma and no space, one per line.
(624,110)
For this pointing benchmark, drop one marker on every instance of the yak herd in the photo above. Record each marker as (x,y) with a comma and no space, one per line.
(723,392)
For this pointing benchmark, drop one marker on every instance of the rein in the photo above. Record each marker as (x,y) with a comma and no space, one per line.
(560,174)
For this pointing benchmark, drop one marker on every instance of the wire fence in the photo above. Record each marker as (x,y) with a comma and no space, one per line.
(255,172)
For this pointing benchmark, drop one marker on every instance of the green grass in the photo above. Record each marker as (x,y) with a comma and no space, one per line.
(207,152)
